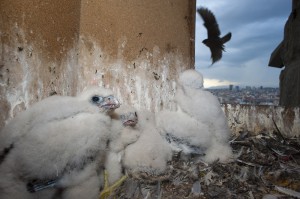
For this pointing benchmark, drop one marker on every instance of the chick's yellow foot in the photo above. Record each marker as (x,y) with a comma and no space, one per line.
(108,190)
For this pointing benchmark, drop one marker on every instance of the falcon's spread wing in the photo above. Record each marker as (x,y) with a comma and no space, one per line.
(226,38)
(210,22)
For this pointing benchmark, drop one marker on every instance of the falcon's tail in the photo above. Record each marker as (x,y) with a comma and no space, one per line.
(226,38)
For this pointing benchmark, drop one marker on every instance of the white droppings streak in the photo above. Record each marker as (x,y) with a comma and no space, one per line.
(134,82)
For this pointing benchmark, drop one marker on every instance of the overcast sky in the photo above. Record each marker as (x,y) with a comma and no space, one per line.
(257,28)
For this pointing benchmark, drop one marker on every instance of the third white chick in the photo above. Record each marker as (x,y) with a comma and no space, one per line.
(150,153)
(125,131)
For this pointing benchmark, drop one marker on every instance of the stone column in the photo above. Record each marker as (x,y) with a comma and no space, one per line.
(137,48)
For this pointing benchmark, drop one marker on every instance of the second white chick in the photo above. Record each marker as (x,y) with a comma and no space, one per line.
(150,153)
(125,131)
(199,125)
(203,106)
(193,99)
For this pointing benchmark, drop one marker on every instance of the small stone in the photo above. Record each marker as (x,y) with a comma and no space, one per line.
(196,189)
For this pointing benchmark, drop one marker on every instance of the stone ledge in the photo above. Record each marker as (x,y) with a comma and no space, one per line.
(258,119)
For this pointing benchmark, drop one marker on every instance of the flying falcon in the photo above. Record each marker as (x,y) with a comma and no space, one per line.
(213,41)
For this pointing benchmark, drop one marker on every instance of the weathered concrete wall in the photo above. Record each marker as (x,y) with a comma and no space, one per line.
(257,119)
(37,51)
(135,47)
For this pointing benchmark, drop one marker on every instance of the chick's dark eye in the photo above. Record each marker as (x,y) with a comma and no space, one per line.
(96,99)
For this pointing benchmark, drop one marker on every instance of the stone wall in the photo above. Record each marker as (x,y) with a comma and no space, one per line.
(259,119)
(143,46)
(38,45)
(135,47)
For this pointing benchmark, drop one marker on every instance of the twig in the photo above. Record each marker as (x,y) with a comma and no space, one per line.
(289,192)
(248,163)
(280,134)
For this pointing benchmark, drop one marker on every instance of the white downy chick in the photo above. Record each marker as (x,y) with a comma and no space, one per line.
(150,153)
(125,131)
(201,104)
(59,142)
(199,124)
(205,108)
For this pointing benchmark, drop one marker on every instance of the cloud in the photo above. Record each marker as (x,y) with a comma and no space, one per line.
(251,73)
(216,82)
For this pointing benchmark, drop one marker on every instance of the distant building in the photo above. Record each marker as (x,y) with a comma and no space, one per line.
(249,96)
(230,87)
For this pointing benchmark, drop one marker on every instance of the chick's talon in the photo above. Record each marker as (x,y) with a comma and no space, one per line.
(108,190)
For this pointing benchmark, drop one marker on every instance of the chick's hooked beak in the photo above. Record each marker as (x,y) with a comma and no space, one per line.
(110,103)
(129,119)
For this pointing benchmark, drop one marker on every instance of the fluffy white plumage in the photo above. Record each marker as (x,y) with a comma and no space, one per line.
(182,132)
(150,153)
(60,138)
(201,104)
(199,123)
(125,131)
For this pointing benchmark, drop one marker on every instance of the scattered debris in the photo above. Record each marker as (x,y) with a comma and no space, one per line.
(265,166)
